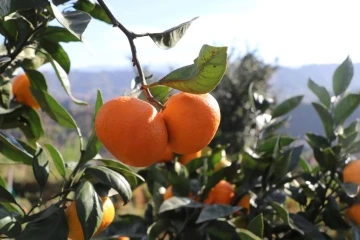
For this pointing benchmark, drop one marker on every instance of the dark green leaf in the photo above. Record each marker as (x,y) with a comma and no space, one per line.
(9,6)
(318,141)
(295,154)
(346,107)
(352,127)
(129,225)
(37,79)
(74,21)
(347,141)
(332,216)
(31,124)
(309,229)
(286,106)
(57,53)
(178,202)
(256,225)
(282,213)
(64,79)
(202,76)
(268,145)
(99,102)
(5,94)
(95,11)
(326,119)
(247,235)
(215,211)
(3,182)
(158,228)
(55,111)
(179,178)
(305,166)
(41,170)
(221,229)
(274,125)
(320,92)
(11,149)
(88,207)
(6,196)
(112,179)
(8,224)
(53,227)
(56,34)
(172,36)
(57,159)
(342,76)
(4,60)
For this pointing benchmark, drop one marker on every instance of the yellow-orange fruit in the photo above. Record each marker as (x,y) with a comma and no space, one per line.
(222,193)
(21,91)
(132,131)
(75,229)
(167,156)
(353,213)
(168,193)
(186,158)
(245,202)
(351,172)
(191,120)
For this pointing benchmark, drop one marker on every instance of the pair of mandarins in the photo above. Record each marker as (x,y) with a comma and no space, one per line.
(138,135)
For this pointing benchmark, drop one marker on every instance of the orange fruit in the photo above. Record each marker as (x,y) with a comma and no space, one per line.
(351,172)
(186,158)
(132,130)
(245,202)
(353,213)
(222,193)
(168,193)
(123,238)
(167,156)
(191,121)
(21,91)
(75,229)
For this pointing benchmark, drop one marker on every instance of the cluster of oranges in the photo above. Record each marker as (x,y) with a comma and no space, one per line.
(138,135)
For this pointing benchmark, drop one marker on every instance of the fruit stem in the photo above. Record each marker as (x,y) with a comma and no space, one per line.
(136,63)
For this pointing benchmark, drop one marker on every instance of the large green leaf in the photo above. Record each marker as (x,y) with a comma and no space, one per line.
(342,76)
(12,149)
(9,226)
(112,179)
(37,79)
(326,119)
(88,207)
(202,76)
(6,196)
(41,169)
(95,10)
(247,235)
(286,106)
(9,6)
(74,21)
(56,34)
(57,159)
(55,111)
(309,229)
(256,225)
(220,229)
(332,216)
(170,37)
(346,107)
(57,53)
(215,211)
(320,92)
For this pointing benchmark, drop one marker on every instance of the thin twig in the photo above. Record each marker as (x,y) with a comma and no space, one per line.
(131,36)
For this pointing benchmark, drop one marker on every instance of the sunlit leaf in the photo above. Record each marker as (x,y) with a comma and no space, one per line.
(346,107)
(286,106)
(342,76)
(326,119)
(320,92)
(56,158)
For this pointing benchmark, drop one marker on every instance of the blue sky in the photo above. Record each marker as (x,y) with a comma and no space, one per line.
(293,32)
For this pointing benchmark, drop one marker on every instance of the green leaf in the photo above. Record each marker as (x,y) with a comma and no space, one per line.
(316,141)
(57,159)
(112,179)
(3,182)
(95,10)
(4,60)
(5,94)
(332,216)
(269,144)
(347,141)
(215,211)
(74,21)
(9,226)
(57,53)
(64,79)
(274,125)
(6,196)
(170,37)
(320,92)
(346,107)
(329,158)
(305,166)
(157,228)
(89,208)
(352,127)
(247,235)
(161,93)
(37,79)
(9,6)
(281,212)
(202,76)
(54,227)
(31,124)
(175,202)
(256,225)
(56,34)
(221,229)
(41,170)
(326,119)
(309,229)
(55,111)
(286,106)
(179,178)
(11,149)
(98,103)
(342,76)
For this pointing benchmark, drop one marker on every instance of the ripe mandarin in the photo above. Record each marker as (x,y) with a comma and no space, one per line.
(75,229)
(186,158)
(191,121)
(132,130)
(351,172)
(21,91)
(222,193)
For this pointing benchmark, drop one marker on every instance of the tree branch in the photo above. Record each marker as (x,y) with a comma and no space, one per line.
(131,36)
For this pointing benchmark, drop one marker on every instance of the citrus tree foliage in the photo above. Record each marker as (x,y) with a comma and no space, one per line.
(232,95)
